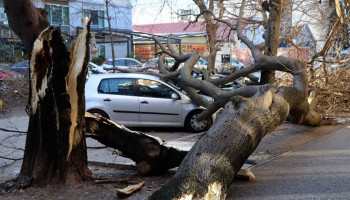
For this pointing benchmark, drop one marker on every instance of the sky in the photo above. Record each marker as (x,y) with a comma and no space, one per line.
(158,11)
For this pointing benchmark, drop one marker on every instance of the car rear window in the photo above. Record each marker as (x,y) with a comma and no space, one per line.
(119,86)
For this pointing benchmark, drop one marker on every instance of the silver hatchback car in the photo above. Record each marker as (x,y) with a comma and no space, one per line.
(140,100)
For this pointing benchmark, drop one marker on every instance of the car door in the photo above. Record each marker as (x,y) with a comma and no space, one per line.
(120,100)
(157,108)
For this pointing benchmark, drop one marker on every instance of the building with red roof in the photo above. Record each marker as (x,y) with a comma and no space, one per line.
(193,37)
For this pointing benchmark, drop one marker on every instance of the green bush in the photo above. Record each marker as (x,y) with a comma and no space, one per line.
(98,60)
(9,53)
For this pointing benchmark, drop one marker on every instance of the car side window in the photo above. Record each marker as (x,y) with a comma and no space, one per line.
(131,63)
(119,63)
(170,62)
(119,86)
(201,62)
(150,88)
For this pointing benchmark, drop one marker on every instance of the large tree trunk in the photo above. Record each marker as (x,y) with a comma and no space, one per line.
(272,37)
(212,164)
(55,150)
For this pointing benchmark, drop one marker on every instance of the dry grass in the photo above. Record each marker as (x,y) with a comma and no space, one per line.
(14,92)
(332,86)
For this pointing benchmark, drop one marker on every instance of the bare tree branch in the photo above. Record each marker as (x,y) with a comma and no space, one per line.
(13,131)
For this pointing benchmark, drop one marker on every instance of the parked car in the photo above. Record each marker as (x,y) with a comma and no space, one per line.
(227,86)
(236,64)
(20,66)
(141,100)
(122,63)
(169,61)
(95,69)
(24,66)
(201,63)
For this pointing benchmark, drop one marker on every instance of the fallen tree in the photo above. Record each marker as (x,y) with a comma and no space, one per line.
(248,114)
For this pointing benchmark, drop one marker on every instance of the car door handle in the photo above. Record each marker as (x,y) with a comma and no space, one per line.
(144,102)
(108,99)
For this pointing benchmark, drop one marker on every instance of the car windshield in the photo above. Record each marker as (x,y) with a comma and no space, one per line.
(201,62)
(234,61)
(170,62)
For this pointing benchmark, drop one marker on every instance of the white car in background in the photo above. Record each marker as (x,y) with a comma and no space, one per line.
(201,63)
(122,63)
(95,69)
(141,100)
(238,65)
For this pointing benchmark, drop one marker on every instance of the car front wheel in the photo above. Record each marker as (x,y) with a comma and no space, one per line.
(193,126)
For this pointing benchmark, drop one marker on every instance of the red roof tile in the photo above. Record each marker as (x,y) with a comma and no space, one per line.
(177,27)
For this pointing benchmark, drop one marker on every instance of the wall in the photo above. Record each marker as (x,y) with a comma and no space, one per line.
(120,49)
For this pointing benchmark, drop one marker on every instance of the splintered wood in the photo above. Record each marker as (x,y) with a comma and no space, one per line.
(130,189)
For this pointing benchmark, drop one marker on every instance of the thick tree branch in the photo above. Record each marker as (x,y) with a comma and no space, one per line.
(25,20)
(149,153)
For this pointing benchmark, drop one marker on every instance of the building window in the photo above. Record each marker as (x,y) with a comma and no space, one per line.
(102,51)
(57,15)
(97,17)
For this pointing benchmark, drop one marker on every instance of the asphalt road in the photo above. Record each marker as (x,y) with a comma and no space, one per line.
(317,170)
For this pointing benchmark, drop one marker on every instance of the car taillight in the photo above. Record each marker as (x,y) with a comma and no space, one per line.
(105,62)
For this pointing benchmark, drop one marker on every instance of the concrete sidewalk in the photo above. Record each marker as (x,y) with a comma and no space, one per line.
(318,170)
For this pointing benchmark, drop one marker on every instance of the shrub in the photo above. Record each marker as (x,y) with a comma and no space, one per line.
(98,60)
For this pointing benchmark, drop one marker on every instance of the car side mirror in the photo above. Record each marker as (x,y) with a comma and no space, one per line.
(175,96)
